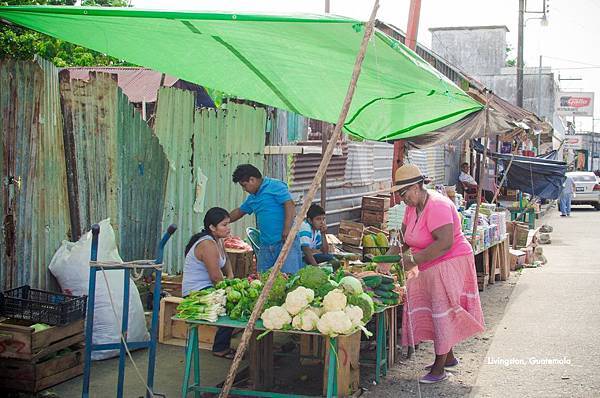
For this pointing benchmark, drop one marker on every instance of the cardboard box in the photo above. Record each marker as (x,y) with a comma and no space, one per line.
(517,259)
(518,232)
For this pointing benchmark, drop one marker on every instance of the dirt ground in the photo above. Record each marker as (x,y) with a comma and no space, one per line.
(402,380)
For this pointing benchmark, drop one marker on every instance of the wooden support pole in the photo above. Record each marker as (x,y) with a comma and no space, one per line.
(481,168)
(307,202)
(503,179)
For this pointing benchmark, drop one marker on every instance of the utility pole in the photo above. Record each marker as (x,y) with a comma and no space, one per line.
(324,142)
(412,30)
(520,63)
(539,103)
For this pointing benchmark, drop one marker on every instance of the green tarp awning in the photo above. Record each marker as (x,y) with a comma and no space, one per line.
(302,63)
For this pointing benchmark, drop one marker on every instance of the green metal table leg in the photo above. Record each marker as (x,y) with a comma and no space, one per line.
(385,347)
(379,347)
(196,356)
(192,341)
(332,372)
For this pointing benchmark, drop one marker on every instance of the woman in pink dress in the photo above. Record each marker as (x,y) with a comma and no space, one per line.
(442,302)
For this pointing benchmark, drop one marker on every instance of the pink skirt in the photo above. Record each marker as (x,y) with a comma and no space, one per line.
(442,305)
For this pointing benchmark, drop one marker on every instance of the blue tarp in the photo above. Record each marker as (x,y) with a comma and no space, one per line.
(539,177)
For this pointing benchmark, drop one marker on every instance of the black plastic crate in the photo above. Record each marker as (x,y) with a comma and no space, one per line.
(42,307)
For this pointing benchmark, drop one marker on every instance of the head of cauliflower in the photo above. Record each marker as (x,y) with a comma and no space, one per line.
(335,300)
(334,323)
(306,320)
(355,313)
(275,318)
(298,299)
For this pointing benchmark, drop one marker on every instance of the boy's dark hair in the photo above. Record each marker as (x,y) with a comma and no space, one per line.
(464,164)
(314,211)
(243,173)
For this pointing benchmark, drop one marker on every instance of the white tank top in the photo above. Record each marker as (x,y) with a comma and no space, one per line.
(195,274)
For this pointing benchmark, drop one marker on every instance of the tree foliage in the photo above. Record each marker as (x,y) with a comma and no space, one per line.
(22,43)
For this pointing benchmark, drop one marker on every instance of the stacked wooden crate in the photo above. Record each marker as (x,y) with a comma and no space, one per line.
(31,361)
(351,234)
(374,211)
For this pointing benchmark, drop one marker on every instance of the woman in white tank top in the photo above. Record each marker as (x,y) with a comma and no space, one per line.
(206,265)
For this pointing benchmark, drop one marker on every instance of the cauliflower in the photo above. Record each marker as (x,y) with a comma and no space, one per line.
(335,300)
(351,285)
(298,299)
(355,314)
(275,318)
(334,323)
(306,320)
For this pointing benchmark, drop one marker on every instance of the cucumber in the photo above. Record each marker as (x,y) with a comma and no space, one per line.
(387,294)
(389,301)
(387,280)
(386,287)
(372,281)
(386,259)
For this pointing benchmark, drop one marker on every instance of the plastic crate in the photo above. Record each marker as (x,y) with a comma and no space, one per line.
(40,306)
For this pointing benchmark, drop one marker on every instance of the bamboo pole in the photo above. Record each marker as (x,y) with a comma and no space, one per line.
(307,201)
(503,179)
(481,168)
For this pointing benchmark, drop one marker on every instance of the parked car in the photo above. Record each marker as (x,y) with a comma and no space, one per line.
(587,188)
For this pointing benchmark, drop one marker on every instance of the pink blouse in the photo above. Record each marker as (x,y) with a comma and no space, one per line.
(438,211)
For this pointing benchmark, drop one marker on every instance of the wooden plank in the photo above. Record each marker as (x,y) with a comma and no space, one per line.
(493,255)
(33,377)
(174,332)
(376,203)
(241,262)
(505,263)
(65,343)
(348,370)
(311,349)
(45,337)
(261,362)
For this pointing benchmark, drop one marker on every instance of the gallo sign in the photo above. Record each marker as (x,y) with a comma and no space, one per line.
(575,104)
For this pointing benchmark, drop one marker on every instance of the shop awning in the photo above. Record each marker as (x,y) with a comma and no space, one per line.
(538,176)
(301,63)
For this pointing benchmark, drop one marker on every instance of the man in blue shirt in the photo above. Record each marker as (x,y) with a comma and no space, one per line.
(270,200)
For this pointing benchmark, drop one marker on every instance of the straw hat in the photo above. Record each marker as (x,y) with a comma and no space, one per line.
(407,175)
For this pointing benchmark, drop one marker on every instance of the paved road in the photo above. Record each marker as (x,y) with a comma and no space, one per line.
(553,315)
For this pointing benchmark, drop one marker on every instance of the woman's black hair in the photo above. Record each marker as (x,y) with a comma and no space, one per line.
(314,211)
(212,217)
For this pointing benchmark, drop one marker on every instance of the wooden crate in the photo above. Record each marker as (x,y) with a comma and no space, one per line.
(32,376)
(351,233)
(348,369)
(369,217)
(170,284)
(376,203)
(19,341)
(174,332)
(242,262)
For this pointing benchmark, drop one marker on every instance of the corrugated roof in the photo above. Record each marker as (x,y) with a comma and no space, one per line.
(138,84)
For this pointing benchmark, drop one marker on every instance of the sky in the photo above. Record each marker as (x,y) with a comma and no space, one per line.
(570,42)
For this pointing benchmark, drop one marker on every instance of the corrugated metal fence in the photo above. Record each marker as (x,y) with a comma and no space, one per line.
(34,198)
(204,145)
(117,166)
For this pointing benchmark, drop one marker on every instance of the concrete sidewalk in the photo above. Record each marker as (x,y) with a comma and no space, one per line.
(547,344)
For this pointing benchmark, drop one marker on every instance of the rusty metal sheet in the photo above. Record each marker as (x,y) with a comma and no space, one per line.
(204,142)
(34,197)
(116,166)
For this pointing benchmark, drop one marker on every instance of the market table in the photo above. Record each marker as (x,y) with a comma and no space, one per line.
(193,356)
(385,346)
(499,264)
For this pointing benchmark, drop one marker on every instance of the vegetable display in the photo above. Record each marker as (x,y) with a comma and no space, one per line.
(241,296)
(207,304)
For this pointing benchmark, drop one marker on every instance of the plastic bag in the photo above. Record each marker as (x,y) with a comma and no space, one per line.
(70,266)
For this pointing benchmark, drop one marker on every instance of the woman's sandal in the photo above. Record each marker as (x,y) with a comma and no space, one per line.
(229,354)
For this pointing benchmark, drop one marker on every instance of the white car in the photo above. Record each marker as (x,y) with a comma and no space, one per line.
(587,188)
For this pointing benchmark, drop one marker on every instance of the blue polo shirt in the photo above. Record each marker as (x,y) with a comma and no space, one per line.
(267,205)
